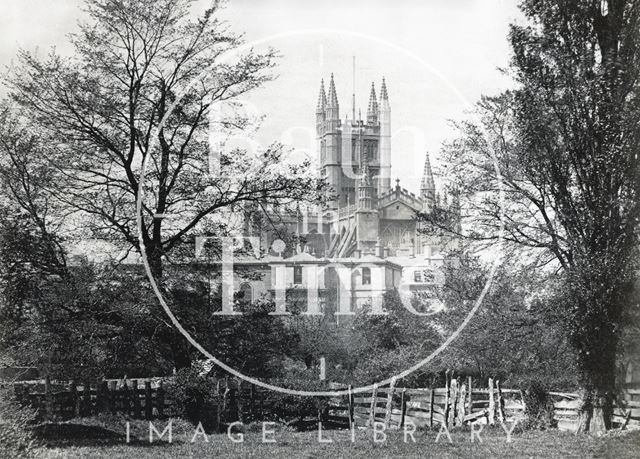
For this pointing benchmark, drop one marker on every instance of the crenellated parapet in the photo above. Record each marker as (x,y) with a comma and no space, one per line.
(401,194)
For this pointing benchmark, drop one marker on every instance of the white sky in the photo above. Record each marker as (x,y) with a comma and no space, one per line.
(437,56)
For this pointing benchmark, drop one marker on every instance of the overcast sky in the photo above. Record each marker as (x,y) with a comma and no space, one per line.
(438,56)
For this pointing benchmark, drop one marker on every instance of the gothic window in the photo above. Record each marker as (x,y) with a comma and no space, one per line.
(297,275)
(353,151)
(371,151)
(366,276)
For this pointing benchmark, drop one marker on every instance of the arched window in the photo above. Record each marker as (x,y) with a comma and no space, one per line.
(366,276)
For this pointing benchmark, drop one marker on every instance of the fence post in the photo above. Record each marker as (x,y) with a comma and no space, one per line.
(239,404)
(233,405)
(492,404)
(73,387)
(126,405)
(432,397)
(218,404)
(453,402)
(252,401)
(470,388)
(261,398)
(106,391)
(403,406)
(319,410)
(389,405)
(462,398)
(99,397)
(113,397)
(137,407)
(225,395)
(446,398)
(47,398)
(350,408)
(86,395)
(148,400)
(160,400)
(500,403)
(372,412)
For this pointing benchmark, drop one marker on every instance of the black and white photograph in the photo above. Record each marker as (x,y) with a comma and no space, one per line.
(295,229)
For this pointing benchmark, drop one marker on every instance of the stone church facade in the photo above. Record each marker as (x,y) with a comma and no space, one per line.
(366,241)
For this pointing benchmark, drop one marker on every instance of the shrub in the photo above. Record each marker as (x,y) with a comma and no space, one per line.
(194,397)
(288,407)
(16,437)
(539,406)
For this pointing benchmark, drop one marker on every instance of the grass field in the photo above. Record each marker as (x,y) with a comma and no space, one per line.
(99,439)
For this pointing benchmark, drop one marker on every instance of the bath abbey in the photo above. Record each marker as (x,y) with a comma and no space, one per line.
(368,225)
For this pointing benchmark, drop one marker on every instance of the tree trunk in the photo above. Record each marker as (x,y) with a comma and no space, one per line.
(154,257)
(180,347)
(595,415)
(597,365)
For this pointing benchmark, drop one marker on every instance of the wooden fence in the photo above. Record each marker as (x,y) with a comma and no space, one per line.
(459,402)
(626,413)
(142,399)
(455,404)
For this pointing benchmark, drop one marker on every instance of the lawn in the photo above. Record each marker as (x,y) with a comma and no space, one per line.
(99,439)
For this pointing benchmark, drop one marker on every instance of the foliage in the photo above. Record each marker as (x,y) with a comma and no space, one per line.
(194,395)
(394,341)
(16,438)
(294,409)
(94,322)
(566,188)
(539,406)
(98,321)
(144,85)
(397,327)
(255,343)
(141,86)
(322,337)
(512,336)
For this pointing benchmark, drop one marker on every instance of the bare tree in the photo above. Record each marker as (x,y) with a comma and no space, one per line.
(141,85)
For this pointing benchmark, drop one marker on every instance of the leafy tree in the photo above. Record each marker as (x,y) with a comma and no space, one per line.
(392,342)
(255,343)
(143,84)
(514,336)
(566,143)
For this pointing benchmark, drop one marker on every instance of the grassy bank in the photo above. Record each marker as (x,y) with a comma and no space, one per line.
(106,438)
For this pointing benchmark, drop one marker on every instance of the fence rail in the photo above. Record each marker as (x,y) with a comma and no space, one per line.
(143,399)
(459,402)
(626,411)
